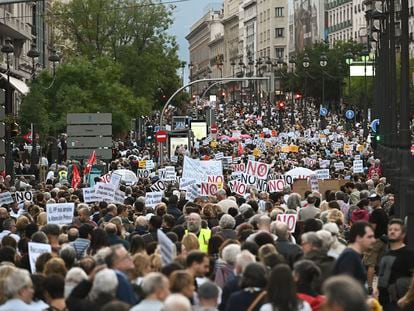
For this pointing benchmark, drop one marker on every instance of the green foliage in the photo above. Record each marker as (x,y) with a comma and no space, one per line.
(80,86)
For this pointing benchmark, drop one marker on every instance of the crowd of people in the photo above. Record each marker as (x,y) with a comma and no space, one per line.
(228,252)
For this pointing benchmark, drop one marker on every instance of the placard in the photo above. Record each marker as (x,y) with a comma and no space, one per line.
(313,180)
(192,193)
(158,186)
(115,180)
(208,189)
(289,219)
(35,250)
(119,197)
(258,169)
(339,166)
(60,213)
(89,195)
(105,191)
(22,196)
(277,185)
(358,166)
(143,173)
(322,174)
(185,183)
(6,198)
(153,198)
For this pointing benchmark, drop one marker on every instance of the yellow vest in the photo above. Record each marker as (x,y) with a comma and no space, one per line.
(203,238)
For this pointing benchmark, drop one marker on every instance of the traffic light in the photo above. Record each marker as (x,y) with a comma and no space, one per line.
(298,96)
(281,105)
(223,94)
(149,133)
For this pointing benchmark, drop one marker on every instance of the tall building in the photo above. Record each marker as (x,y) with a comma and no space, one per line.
(340,20)
(231,36)
(206,47)
(272,28)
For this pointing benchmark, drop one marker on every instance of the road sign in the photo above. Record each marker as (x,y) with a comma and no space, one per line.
(374,125)
(89,118)
(105,154)
(323,111)
(214,129)
(89,142)
(89,130)
(161,136)
(349,114)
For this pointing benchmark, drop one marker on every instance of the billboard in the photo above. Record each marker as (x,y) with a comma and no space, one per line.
(309,22)
(199,129)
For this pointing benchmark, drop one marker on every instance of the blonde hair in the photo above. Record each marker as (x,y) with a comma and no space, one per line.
(156,263)
(5,271)
(141,263)
(190,242)
(41,219)
(55,265)
(266,249)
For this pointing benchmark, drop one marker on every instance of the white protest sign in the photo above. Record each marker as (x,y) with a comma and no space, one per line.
(158,186)
(119,197)
(357,157)
(143,173)
(115,180)
(239,188)
(6,198)
(89,195)
(258,169)
(153,198)
(192,193)
(313,179)
(106,178)
(289,220)
(324,163)
(219,156)
(339,166)
(215,179)
(174,159)
(105,191)
(276,185)
(35,250)
(322,174)
(261,185)
(358,166)
(185,183)
(60,213)
(251,157)
(240,167)
(248,179)
(200,170)
(208,189)
(149,164)
(22,196)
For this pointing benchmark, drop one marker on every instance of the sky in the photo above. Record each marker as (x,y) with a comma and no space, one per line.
(185,15)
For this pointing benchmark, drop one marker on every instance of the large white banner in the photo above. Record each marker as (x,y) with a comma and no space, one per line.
(35,250)
(200,170)
(60,213)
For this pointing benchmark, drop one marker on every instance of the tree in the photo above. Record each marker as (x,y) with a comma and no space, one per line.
(133,33)
(80,86)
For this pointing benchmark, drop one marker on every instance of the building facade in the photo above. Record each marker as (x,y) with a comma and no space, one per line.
(340,20)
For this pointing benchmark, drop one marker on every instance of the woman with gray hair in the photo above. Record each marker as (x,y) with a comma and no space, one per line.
(293,201)
(226,227)
(18,289)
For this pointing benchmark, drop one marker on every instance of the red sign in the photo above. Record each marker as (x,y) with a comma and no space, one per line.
(214,129)
(161,136)
(28,137)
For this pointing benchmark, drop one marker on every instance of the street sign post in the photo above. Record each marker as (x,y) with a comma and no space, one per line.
(161,136)
(374,125)
(349,114)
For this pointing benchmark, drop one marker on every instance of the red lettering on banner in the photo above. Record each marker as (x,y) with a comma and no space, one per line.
(276,185)
(208,189)
(289,220)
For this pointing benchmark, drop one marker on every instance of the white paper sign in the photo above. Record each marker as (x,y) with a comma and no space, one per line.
(199,170)
(149,164)
(35,250)
(192,193)
(22,196)
(115,180)
(105,191)
(358,166)
(60,213)
(208,189)
(158,186)
(6,198)
(276,185)
(143,173)
(322,174)
(89,195)
(185,183)
(339,166)
(313,179)
(153,198)
(289,220)
(258,169)
(119,197)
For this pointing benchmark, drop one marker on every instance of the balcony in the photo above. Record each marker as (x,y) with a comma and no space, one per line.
(13,27)
(336,3)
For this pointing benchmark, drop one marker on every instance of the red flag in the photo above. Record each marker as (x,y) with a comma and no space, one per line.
(91,162)
(76,179)
(240,149)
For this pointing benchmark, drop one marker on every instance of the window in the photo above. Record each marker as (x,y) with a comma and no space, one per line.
(279,12)
(279,52)
(279,32)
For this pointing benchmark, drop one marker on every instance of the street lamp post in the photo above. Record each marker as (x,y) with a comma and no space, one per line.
(269,86)
(190,67)
(251,63)
(280,65)
(8,49)
(242,68)
(258,73)
(365,58)
(323,61)
(349,58)
(54,59)
(183,63)
(305,64)
(232,64)
(292,62)
(33,53)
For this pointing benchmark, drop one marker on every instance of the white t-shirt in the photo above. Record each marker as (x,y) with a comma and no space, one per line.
(303,306)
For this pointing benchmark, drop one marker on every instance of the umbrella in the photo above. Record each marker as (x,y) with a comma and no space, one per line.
(300,173)
(127,176)
(224,137)
(245,136)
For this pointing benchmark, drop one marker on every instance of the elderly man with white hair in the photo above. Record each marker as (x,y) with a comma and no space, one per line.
(224,202)
(18,288)
(155,287)
(226,227)
(177,302)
